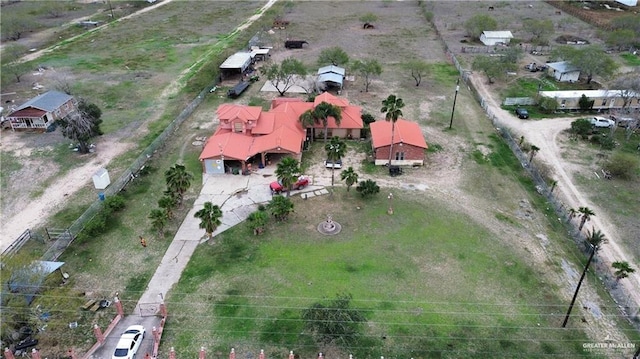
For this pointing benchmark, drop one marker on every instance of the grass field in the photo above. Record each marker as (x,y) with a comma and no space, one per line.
(431,281)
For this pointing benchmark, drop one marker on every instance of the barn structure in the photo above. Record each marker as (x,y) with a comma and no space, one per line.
(492,38)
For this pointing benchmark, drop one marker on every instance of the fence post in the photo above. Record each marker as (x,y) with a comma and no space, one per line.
(98,333)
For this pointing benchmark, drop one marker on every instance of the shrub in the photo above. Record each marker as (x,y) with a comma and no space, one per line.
(548,104)
(114,203)
(623,165)
(367,118)
(581,127)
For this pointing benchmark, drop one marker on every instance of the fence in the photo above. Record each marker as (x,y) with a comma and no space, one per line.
(18,243)
(61,243)
(536,50)
(617,292)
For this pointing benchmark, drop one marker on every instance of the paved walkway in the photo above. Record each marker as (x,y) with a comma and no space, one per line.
(238,196)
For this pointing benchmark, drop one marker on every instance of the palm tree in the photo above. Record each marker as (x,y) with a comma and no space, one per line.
(595,240)
(554,183)
(623,269)
(178,180)
(534,150)
(325,110)
(572,214)
(158,219)
(392,108)
(367,188)
(209,217)
(257,221)
(335,150)
(586,214)
(287,172)
(280,207)
(350,177)
(167,203)
(307,120)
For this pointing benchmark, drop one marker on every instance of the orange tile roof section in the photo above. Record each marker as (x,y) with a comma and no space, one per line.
(277,129)
(406,132)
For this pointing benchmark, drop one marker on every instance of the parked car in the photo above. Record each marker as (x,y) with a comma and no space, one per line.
(333,164)
(129,342)
(601,122)
(522,113)
(624,121)
(277,188)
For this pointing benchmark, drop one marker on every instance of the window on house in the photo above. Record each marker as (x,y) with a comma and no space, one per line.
(399,156)
(237,127)
(604,102)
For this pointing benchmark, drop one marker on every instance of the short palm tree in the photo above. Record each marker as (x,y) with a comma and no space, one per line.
(258,221)
(168,203)
(280,207)
(287,173)
(585,215)
(392,108)
(159,220)
(367,188)
(350,177)
(209,217)
(623,269)
(534,149)
(178,180)
(335,150)
(572,214)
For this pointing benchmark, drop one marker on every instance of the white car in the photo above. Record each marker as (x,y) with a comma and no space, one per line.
(602,122)
(129,342)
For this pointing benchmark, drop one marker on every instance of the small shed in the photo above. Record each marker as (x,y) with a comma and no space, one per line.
(101,179)
(259,54)
(331,76)
(563,71)
(492,38)
(235,64)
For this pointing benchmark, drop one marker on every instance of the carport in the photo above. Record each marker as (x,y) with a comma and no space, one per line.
(235,64)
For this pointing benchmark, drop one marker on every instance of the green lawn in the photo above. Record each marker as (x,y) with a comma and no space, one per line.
(431,281)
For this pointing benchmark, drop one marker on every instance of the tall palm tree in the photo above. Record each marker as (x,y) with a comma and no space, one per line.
(533,151)
(350,177)
(595,238)
(308,120)
(178,180)
(392,108)
(209,217)
(585,215)
(287,173)
(335,150)
(325,110)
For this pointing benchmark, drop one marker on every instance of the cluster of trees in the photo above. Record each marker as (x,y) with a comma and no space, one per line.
(178,181)
(82,125)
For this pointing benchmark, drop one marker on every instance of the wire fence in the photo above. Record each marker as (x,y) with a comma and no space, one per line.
(62,242)
(620,295)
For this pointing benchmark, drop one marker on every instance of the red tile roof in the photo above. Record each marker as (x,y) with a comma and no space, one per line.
(279,129)
(229,112)
(406,132)
(329,98)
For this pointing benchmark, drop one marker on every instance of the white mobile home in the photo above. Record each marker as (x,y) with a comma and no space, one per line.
(492,38)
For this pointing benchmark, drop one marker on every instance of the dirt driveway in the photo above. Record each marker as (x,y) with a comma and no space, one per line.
(544,134)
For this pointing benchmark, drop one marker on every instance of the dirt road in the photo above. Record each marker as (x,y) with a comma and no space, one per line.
(544,134)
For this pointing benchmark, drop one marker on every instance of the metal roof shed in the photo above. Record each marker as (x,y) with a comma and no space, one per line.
(237,63)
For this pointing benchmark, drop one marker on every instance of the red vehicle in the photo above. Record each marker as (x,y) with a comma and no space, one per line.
(276,187)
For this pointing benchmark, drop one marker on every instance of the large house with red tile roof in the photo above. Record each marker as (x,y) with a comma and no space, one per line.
(247,134)
(408,143)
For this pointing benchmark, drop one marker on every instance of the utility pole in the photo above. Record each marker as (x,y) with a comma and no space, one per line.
(454,101)
(575,294)
(111,9)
